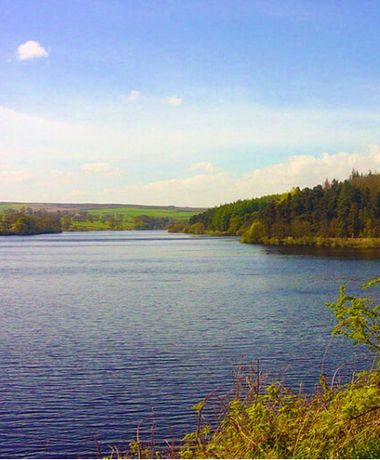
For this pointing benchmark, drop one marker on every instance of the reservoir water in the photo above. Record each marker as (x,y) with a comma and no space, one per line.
(100,329)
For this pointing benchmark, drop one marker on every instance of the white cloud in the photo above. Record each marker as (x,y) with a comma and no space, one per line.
(218,187)
(31,49)
(149,146)
(154,140)
(204,189)
(134,95)
(203,166)
(101,168)
(198,190)
(174,101)
(306,171)
(11,177)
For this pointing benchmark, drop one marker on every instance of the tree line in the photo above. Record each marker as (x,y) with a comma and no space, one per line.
(25,221)
(336,209)
(28,222)
(231,218)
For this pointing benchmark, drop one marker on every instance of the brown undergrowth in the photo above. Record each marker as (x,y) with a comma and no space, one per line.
(261,419)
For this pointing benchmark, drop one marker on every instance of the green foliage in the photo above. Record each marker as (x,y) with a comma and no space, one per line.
(348,209)
(129,213)
(28,222)
(177,227)
(358,318)
(16,219)
(277,423)
(125,218)
(274,422)
(327,215)
(314,241)
(255,234)
(233,218)
(333,422)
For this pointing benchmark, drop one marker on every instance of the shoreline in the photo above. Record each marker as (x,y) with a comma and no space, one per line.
(306,241)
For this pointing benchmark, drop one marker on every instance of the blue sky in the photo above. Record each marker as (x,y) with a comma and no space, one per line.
(184,102)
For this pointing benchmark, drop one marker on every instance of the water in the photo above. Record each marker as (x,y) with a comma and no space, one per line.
(99,329)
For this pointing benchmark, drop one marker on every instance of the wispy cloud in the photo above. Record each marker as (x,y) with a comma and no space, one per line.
(208,188)
(152,138)
(100,168)
(149,147)
(31,49)
(203,166)
(174,101)
(13,176)
(217,187)
(134,95)
(306,171)
(201,189)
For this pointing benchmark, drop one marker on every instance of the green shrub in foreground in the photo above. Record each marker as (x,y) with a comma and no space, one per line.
(331,423)
(275,422)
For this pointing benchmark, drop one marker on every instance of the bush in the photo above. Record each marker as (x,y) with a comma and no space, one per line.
(275,422)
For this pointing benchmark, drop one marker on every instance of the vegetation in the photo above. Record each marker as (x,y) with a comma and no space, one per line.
(336,421)
(227,219)
(16,219)
(123,218)
(129,213)
(28,222)
(335,214)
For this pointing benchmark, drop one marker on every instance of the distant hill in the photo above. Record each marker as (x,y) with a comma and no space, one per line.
(30,218)
(54,207)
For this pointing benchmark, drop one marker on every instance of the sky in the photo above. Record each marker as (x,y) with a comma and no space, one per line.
(189,103)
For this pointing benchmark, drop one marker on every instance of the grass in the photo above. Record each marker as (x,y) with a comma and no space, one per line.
(111,218)
(272,421)
(333,422)
(124,217)
(130,213)
(5,206)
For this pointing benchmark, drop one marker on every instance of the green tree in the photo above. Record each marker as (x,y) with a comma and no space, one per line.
(358,318)
(22,226)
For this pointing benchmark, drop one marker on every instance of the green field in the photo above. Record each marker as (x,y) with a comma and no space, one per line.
(125,217)
(91,216)
(129,213)
(5,206)
(133,212)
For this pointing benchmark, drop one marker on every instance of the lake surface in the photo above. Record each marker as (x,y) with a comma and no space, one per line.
(98,329)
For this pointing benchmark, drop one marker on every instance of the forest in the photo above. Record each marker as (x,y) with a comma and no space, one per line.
(326,214)
(28,222)
(226,219)
(347,209)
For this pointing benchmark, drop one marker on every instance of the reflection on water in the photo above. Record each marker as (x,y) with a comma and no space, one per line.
(99,328)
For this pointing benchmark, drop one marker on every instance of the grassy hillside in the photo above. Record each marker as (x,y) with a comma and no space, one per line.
(125,218)
(129,213)
(5,206)
(72,207)
(88,216)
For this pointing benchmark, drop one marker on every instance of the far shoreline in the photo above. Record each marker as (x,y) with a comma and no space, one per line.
(307,241)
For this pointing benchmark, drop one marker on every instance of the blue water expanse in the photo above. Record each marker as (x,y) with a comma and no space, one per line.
(99,329)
